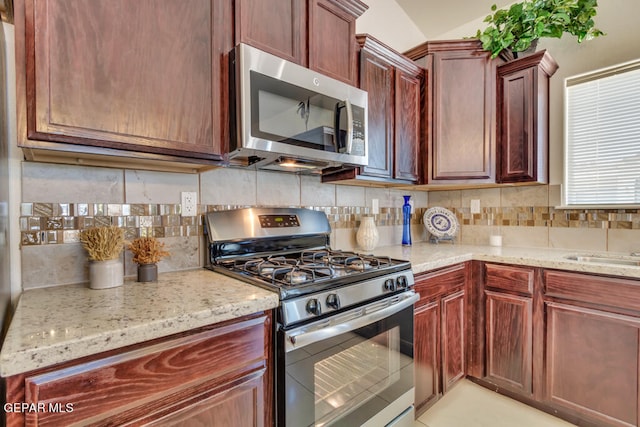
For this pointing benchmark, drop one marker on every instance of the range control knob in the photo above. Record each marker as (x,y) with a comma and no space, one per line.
(313,307)
(333,301)
(401,282)
(389,285)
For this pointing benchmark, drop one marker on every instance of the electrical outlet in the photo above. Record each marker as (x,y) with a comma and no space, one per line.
(375,206)
(189,203)
(475,206)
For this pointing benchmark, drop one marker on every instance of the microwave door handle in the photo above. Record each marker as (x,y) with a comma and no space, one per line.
(346,104)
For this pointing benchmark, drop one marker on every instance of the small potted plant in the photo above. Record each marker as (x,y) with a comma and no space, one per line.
(519,27)
(104,246)
(147,251)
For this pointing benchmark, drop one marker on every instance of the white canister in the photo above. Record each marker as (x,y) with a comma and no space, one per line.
(495,240)
(367,235)
(106,274)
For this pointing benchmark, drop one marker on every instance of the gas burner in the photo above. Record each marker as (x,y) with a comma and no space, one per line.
(265,267)
(314,257)
(358,264)
(296,277)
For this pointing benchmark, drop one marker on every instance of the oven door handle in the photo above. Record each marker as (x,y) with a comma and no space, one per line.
(306,335)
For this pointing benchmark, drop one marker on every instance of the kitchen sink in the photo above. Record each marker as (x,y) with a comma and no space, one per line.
(606,259)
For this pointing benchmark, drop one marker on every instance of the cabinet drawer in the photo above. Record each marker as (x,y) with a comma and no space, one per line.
(509,278)
(610,291)
(143,380)
(440,282)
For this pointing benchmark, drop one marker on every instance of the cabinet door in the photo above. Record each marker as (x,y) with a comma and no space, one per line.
(407,125)
(143,76)
(461,140)
(238,406)
(453,357)
(523,118)
(592,364)
(275,26)
(332,45)
(426,354)
(509,341)
(376,77)
(215,371)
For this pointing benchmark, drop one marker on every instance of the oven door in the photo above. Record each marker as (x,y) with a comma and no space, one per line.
(351,369)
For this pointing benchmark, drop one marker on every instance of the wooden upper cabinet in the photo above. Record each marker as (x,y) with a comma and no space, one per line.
(459,113)
(275,26)
(332,47)
(394,86)
(407,125)
(139,76)
(377,77)
(523,118)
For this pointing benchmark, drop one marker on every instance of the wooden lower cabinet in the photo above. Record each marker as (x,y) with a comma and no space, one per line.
(214,376)
(509,326)
(439,333)
(593,348)
(426,354)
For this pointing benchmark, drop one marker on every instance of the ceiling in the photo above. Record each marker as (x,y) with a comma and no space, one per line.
(433,19)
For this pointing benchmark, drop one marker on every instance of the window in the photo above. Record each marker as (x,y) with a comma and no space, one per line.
(602,137)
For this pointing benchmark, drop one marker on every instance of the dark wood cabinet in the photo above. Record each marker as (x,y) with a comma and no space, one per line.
(509,327)
(427,354)
(145,84)
(276,26)
(439,333)
(459,110)
(394,85)
(593,347)
(453,339)
(332,46)
(523,118)
(144,77)
(219,375)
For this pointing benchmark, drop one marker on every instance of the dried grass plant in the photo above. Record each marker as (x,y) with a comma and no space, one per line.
(103,243)
(147,250)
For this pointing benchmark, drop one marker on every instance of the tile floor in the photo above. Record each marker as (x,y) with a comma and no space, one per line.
(470,405)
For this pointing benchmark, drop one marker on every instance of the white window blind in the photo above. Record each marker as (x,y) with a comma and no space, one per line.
(602,142)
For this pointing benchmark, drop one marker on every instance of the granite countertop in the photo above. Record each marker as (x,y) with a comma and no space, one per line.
(426,257)
(62,323)
(57,324)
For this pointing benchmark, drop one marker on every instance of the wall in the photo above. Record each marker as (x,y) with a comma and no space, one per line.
(531,214)
(60,200)
(5,266)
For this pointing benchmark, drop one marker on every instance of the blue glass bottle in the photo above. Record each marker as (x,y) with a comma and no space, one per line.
(406,222)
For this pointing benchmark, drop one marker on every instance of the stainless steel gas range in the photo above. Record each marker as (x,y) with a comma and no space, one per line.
(344,329)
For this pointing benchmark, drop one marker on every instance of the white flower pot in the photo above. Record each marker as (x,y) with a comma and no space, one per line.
(106,274)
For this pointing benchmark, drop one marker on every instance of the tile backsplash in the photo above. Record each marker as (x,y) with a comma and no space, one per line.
(60,200)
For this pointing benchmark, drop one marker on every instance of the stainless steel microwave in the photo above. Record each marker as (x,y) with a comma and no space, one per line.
(287,117)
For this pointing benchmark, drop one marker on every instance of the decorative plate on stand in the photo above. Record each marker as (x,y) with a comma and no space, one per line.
(441,223)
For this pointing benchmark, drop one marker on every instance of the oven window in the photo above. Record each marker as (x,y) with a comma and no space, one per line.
(347,379)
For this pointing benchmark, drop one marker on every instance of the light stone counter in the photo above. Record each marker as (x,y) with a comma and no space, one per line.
(57,324)
(426,256)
